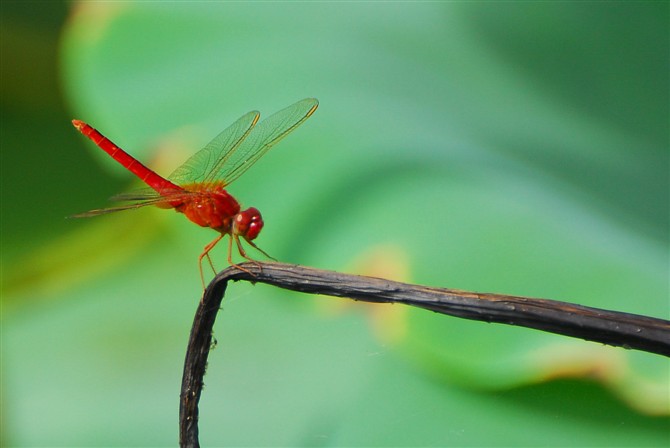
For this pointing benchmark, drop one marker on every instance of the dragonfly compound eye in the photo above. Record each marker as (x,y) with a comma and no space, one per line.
(248,223)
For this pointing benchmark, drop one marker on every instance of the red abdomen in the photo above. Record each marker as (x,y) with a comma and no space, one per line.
(212,207)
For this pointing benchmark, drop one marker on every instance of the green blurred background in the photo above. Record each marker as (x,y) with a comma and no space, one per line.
(519,148)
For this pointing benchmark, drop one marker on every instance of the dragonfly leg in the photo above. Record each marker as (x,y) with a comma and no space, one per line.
(211,263)
(205,253)
(252,244)
(242,252)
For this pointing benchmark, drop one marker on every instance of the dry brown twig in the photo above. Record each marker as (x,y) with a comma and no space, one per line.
(608,327)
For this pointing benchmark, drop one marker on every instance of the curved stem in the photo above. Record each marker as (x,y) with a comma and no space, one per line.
(615,328)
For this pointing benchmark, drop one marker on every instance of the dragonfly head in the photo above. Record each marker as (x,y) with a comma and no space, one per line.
(248,223)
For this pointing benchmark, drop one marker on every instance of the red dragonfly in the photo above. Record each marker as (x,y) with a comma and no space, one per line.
(198,187)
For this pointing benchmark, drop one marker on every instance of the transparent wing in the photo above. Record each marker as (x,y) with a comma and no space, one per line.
(260,140)
(139,198)
(209,159)
(119,208)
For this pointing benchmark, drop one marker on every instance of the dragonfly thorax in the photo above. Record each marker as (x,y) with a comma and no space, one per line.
(214,208)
